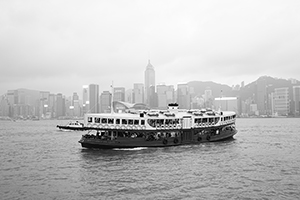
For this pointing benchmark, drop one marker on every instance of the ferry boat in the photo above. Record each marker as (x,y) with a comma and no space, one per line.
(76,126)
(157,128)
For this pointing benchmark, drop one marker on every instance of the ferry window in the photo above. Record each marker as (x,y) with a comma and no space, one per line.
(103,120)
(204,120)
(211,120)
(136,122)
(142,122)
(168,121)
(110,121)
(177,121)
(130,121)
(117,121)
(124,121)
(97,120)
(90,119)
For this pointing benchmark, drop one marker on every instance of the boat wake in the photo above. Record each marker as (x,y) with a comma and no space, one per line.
(130,149)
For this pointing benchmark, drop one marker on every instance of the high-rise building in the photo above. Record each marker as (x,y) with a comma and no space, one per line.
(165,95)
(226,104)
(183,96)
(129,96)
(149,81)
(281,101)
(105,102)
(75,104)
(85,99)
(93,98)
(296,100)
(138,93)
(60,110)
(208,98)
(119,94)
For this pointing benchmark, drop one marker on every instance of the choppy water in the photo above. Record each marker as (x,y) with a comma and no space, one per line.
(39,162)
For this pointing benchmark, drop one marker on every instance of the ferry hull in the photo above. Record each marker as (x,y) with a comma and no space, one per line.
(182,139)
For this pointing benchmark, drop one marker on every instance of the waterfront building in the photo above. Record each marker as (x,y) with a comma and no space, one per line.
(149,81)
(75,104)
(93,98)
(138,93)
(261,96)
(165,95)
(4,106)
(119,94)
(60,110)
(51,106)
(85,99)
(44,105)
(183,96)
(296,100)
(105,102)
(153,97)
(129,96)
(226,104)
(281,101)
(208,98)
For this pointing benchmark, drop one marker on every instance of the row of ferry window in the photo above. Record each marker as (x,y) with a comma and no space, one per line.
(160,122)
(206,120)
(116,121)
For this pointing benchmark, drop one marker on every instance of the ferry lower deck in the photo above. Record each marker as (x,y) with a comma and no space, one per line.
(157,138)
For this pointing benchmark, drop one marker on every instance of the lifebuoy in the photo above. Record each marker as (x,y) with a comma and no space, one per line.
(208,137)
(165,141)
(175,141)
(199,139)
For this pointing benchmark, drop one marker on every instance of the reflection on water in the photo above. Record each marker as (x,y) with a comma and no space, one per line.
(262,161)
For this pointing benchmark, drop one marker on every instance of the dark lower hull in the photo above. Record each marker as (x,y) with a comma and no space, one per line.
(71,128)
(182,139)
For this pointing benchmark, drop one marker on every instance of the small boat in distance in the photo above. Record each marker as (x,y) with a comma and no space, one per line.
(157,128)
(76,126)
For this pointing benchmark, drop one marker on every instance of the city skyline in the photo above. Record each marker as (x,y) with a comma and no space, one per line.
(100,42)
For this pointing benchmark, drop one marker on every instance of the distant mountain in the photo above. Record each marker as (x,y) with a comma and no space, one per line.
(267,84)
(217,89)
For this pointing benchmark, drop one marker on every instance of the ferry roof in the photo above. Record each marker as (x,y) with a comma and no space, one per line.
(161,114)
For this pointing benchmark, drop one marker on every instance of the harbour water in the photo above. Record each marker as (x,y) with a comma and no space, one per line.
(40,162)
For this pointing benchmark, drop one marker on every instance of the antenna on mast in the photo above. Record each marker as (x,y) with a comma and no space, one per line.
(112,97)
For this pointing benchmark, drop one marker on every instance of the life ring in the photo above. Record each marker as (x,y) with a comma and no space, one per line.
(199,139)
(175,141)
(208,137)
(165,141)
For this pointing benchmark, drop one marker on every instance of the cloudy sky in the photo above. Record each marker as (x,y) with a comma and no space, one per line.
(58,46)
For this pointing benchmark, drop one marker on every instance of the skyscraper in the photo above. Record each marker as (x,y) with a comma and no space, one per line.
(93,98)
(149,81)
(138,93)
(119,94)
(105,99)
(296,100)
(85,98)
(183,96)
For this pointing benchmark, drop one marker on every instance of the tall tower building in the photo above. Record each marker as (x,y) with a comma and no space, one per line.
(93,98)
(85,99)
(149,81)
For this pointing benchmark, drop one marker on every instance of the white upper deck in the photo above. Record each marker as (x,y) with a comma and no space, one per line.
(170,118)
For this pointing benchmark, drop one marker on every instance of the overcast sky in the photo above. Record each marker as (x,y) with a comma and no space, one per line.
(58,46)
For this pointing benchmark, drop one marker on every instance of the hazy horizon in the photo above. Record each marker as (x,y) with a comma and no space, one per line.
(59,46)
